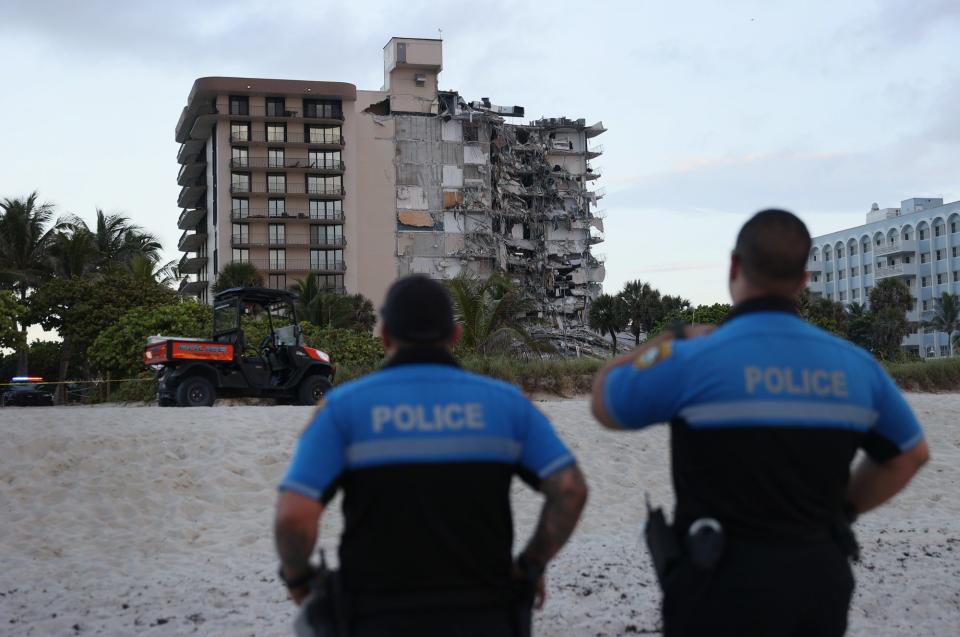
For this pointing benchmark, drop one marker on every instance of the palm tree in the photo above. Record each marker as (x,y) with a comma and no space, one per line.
(26,232)
(146,268)
(488,310)
(946,318)
(642,303)
(609,315)
(238,274)
(119,240)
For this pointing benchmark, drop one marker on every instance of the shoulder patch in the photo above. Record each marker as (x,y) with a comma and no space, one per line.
(654,355)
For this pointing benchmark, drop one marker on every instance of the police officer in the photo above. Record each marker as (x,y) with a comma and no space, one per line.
(425,453)
(766,413)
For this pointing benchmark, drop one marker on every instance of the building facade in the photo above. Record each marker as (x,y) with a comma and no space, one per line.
(357,187)
(919,242)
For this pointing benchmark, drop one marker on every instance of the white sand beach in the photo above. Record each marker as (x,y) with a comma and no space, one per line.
(149,521)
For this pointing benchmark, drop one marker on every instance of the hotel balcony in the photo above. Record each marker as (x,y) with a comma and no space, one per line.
(899,269)
(298,265)
(260,188)
(191,151)
(239,241)
(191,174)
(192,288)
(334,167)
(331,141)
(288,215)
(189,218)
(898,247)
(815,287)
(191,241)
(814,266)
(322,115)
(192,196)
(191,265)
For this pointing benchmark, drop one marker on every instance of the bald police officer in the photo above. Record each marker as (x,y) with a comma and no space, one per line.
(425,453)
(766,413)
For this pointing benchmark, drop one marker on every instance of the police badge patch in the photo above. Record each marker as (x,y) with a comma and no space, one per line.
(654,355)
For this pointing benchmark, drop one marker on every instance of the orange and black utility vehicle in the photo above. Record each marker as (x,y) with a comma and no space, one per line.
(195,372)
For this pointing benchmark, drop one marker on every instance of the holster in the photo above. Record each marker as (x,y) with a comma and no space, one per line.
(324,611)
(661,542)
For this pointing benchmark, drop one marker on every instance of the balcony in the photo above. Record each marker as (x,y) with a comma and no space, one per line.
(815,287)
(898,269)
(191,241)
(191,173)
(814,266)
(321,115)
(260,188)
(196,121)
(189,218)
(298,265)
(328,141)
(192,196)
(288,162)
(191,151)
(898,247)
(239,241)
(288,215)
(192,288)
(191,265)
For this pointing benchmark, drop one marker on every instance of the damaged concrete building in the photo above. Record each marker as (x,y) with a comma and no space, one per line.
(425,181)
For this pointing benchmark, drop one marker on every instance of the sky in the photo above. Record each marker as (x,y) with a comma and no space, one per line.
(714,109)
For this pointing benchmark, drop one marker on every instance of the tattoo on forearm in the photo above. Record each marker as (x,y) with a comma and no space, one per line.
(294,547)
(566,493)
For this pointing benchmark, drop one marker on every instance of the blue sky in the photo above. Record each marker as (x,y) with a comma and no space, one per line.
(714,109)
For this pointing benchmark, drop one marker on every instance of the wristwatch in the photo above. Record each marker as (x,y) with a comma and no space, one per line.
(297,582)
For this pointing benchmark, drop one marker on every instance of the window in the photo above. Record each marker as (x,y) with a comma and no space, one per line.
(866,291)
(907,259)
(239,157)
(853,249)
(330,281)
(855,271)
(906,236)
(867,268)
(826,255)
(278,281)
(840,252)
(326,235)
(941,279)
(275,107)
(239,105)
(956,276)
(276,207)
(327,109)
(954,251)
(240,182)
(843,295)
(856,293)
(940,255)
(240,208)
(925,282)
(925,305)
(327,160)
(278,259)
(829,277)
(401,52)
(326,209)
(276,132)
(815,277)
(866,246)
(879,241)
(944,350)
(241,255)
(241,233)
(318,185)
(326,259)
(239,132)
(953,227)
(420,79)
(924,257)
(276,234)
(937,231)
(276,183)
(323,134)
(841,275)
(274,158)
(923,234)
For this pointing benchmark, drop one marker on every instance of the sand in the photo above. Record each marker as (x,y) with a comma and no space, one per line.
(149,521)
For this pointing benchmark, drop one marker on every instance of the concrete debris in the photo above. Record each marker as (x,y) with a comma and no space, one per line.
(476,194)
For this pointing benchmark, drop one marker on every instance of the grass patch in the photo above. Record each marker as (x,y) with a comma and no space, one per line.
(930,376)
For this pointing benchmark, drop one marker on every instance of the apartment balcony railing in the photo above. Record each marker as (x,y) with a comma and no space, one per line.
(814,266)
(322,113)
(191,265)
(815,287)
(289,138)
(240,241)
(287,162)
(191,241)
(256,188)
(190,217)
(191,196)
(190,173)
(192,288)
(298,265)
(287,215)
(899,269)
(897,247)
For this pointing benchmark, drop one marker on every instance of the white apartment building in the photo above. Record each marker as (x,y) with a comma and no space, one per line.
(919,242)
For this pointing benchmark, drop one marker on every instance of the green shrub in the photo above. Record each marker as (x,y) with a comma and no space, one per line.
(133,391)
(347,348)
(928,376)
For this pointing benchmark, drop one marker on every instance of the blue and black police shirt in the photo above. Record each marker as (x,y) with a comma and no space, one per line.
(766,414)
(425,453)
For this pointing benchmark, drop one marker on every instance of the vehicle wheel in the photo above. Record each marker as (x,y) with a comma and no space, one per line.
(196,391)
(312,389)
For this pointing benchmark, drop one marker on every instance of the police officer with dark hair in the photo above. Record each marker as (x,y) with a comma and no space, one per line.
(425,453)
(766,413)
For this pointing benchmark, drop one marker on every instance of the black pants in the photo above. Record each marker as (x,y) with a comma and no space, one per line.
(437,623)
(762,591)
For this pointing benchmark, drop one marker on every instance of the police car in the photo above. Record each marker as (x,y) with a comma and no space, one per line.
(26,392)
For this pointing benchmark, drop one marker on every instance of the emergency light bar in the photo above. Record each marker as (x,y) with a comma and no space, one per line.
(26,379)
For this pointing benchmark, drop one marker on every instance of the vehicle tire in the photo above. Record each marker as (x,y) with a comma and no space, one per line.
(312,389)
(196,391)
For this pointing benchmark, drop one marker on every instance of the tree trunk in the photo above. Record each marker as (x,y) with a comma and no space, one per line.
(61,393)
(613,341)
(23,364)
